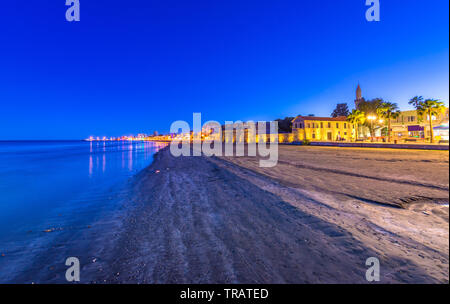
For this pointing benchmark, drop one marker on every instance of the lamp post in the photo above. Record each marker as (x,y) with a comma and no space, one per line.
(371,118)
(381,121)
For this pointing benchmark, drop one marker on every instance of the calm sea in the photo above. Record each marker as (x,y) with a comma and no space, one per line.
(59,185)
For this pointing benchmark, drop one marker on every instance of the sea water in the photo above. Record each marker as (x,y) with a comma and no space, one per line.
(50,187)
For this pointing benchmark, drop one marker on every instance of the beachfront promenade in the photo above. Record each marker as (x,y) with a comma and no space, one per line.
(420,146)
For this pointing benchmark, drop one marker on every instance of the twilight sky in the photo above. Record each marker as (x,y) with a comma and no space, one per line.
(138,65)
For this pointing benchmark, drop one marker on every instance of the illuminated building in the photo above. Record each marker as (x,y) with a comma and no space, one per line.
(322,128)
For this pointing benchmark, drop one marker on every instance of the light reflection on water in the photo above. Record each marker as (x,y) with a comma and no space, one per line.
(40,178)
(130,152)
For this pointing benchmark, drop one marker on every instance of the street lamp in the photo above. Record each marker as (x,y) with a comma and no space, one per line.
(371,118)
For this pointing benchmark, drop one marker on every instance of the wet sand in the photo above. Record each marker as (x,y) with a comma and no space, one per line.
(314,218)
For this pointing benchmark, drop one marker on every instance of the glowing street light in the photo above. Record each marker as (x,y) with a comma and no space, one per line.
(371,118)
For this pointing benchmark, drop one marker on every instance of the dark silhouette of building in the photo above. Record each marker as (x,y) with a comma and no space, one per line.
(359,98)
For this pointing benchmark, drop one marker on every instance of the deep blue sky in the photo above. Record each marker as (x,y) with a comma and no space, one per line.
(137,65)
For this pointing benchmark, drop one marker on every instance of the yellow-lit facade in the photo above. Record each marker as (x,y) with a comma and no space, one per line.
(408,125)
(322,128)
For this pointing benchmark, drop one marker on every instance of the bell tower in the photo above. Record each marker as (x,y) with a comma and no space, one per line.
(358,96)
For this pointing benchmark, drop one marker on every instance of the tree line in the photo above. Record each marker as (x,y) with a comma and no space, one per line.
(375,112)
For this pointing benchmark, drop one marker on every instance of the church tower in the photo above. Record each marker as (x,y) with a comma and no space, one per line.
(358,96)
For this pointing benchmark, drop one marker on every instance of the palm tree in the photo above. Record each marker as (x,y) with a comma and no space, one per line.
(356,117)
(388,110)
(430,108)
(415,101)
(370,107)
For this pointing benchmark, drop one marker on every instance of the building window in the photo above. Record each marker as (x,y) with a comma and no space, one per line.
(329,125)
(321,125)
(337,125)
(345,125)
(300,125)
(307,125)
(313,135)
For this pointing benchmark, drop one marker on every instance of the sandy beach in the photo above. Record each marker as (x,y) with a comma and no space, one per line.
(314,218)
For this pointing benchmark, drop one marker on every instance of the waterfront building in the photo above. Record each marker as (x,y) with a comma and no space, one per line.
(409,126)
(322,128)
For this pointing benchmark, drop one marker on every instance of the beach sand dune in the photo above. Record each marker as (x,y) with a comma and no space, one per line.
(314,218)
